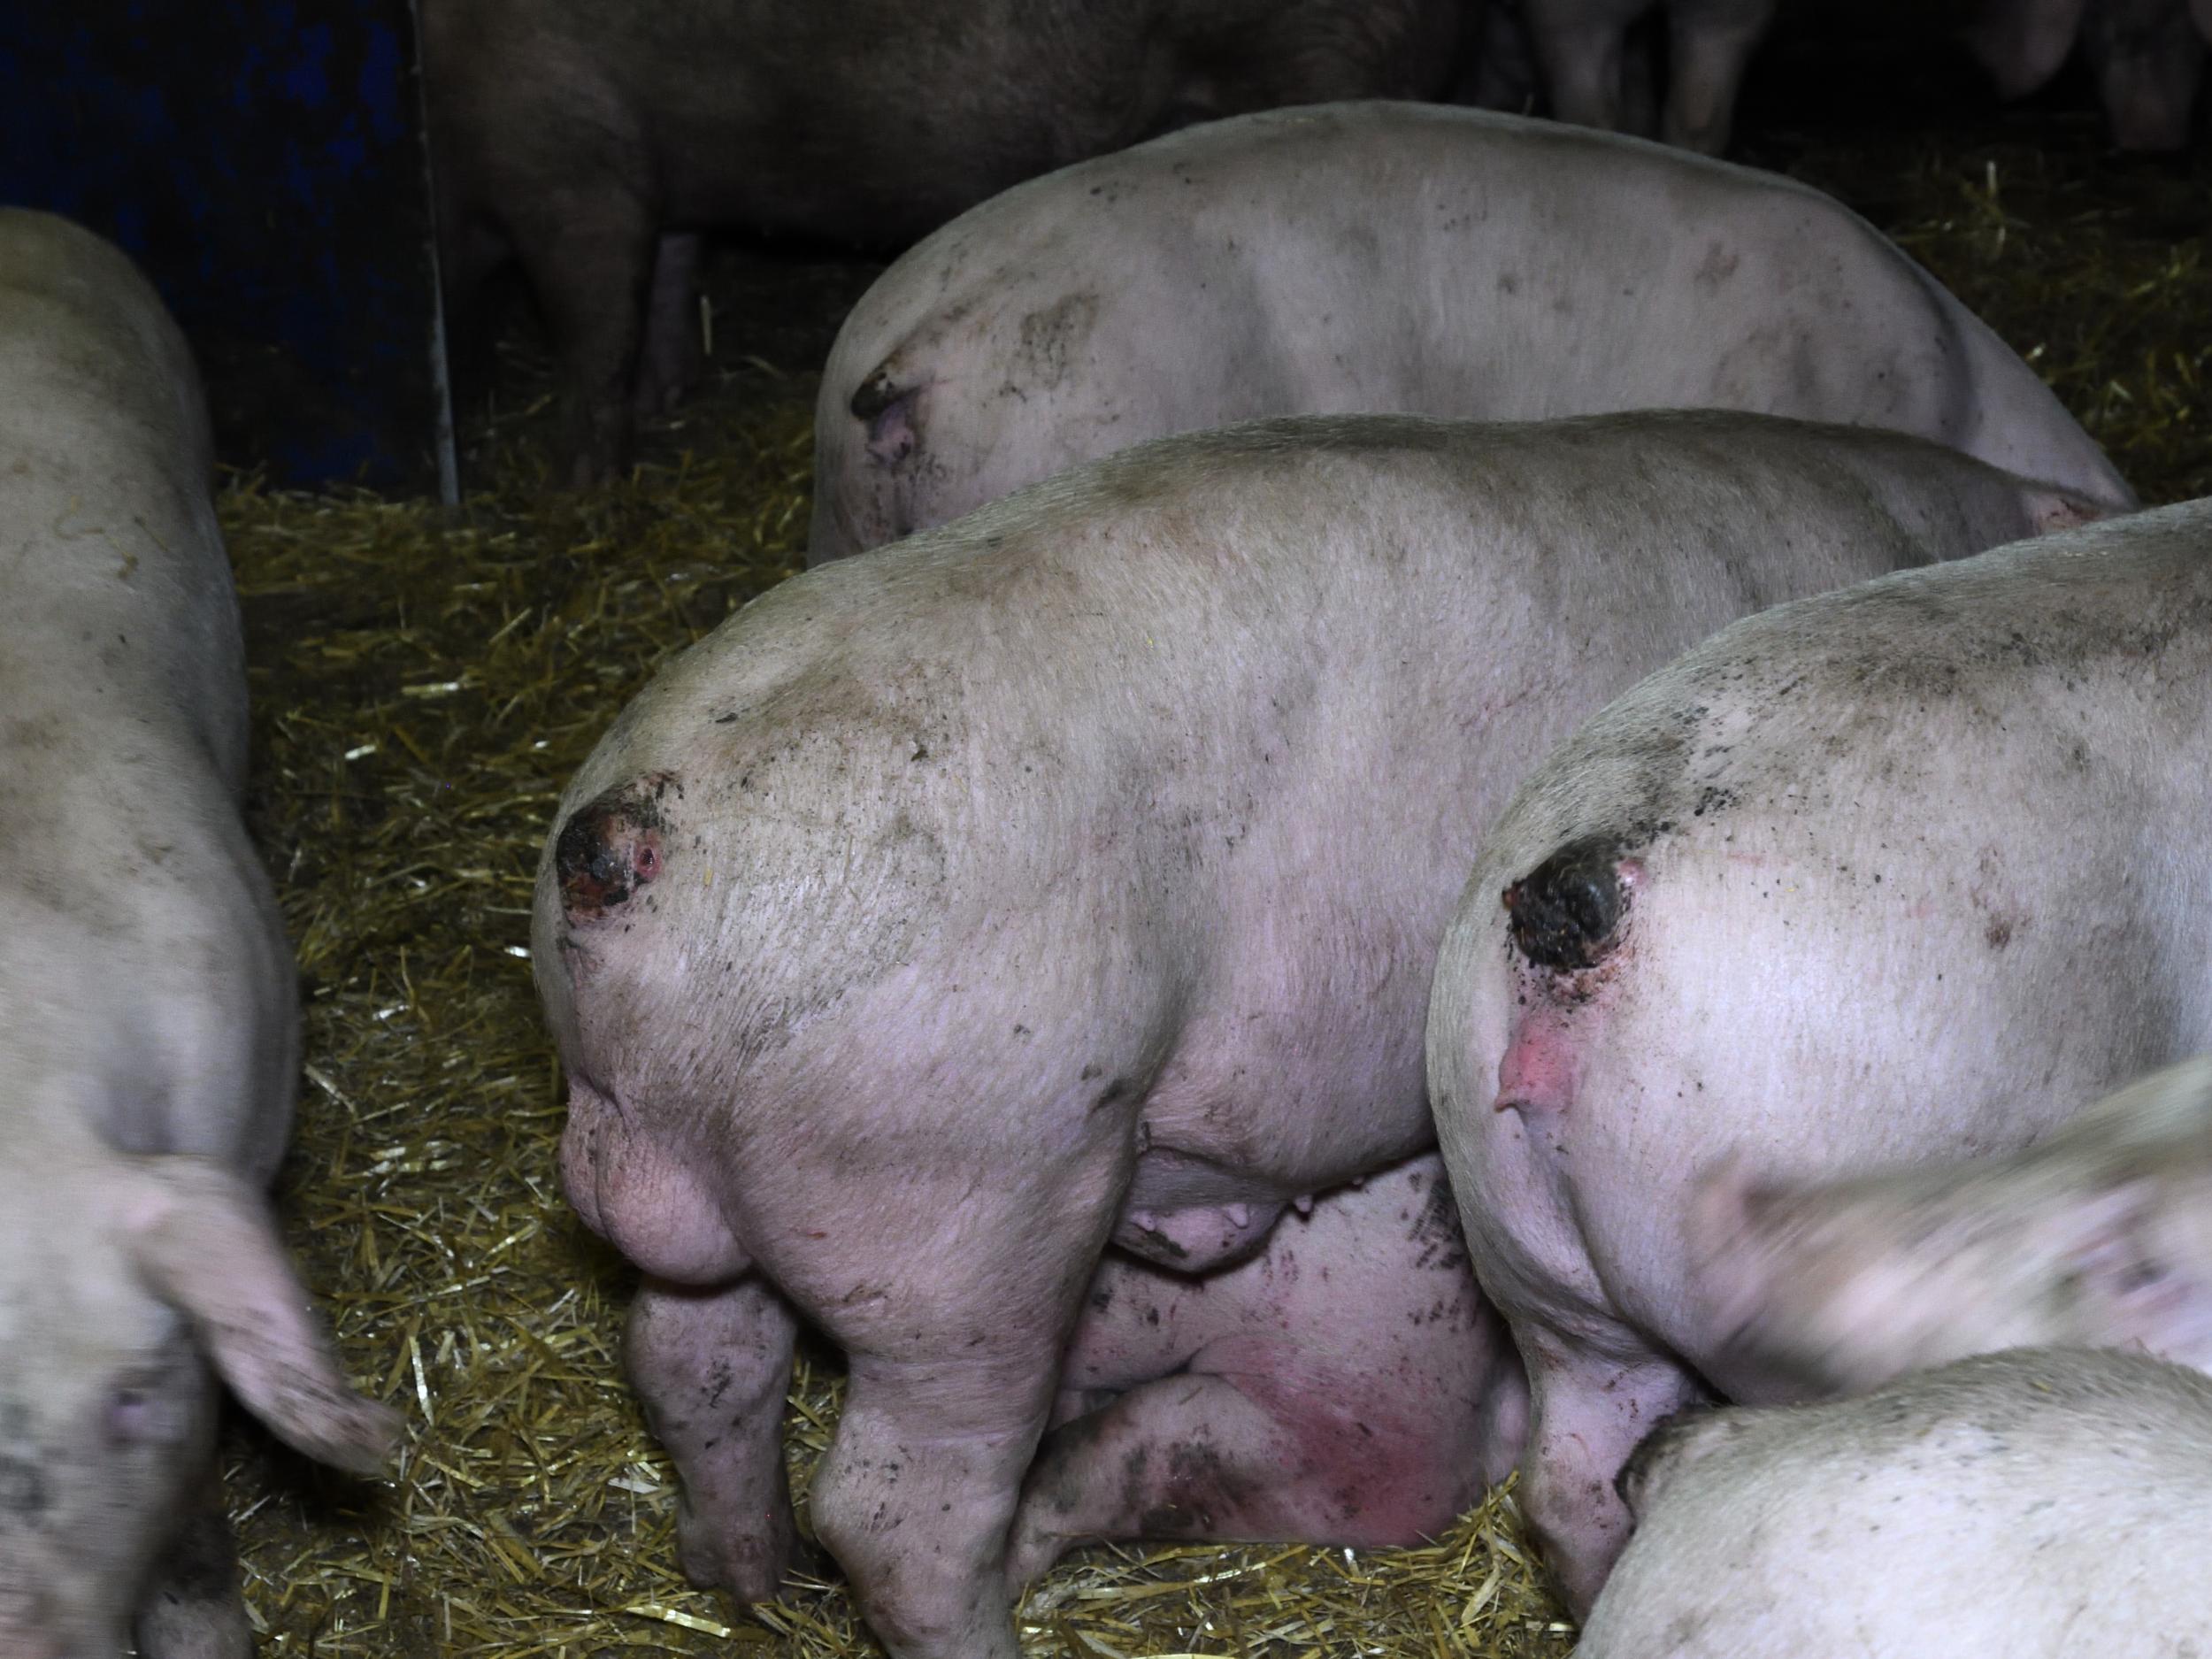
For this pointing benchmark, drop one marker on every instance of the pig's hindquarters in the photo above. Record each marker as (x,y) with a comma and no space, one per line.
(1346,1385)
(1788,1004)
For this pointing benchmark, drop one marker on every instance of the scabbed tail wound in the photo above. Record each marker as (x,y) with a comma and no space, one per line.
(613,845)
(1565,913)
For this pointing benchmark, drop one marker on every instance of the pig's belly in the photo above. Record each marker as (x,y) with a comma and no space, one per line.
(1234,1137)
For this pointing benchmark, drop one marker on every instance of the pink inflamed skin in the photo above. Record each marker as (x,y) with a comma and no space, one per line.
(1904,873)
(1045,907)
(1331,1388)
(148,1024)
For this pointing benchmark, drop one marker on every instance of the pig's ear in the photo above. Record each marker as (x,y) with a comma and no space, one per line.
(2140,1283)
(1729,1271)
(204,1240)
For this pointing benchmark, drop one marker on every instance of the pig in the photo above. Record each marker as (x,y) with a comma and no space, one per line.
(1069,879)
(2100,1235)
(2147,56)
(2002,1508)
(1390,257)
(594,140)
(147,1014)
(1353,1341)
(1902,872)
(1583,49)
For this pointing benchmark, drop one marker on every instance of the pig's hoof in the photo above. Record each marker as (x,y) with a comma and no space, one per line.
(751,1566)
(1033,1552)
(1566,912)
(612,846)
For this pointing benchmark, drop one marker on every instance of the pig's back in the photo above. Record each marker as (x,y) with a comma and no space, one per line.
(121,615)
(1955,665)
(2001,1507)
(160,977)
(1528,271)
(1213,570)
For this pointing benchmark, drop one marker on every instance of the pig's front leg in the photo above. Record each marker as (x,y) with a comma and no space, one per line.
(192,1608)
(1712,42)
(672,359)
(712,1367)
(1582,47)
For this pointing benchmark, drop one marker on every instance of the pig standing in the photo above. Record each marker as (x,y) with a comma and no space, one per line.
(1582,47)
(592,140)
(2025,1505)
(1900,872)
(147,1012)
(2099,1236)
(1390,257)
(1072,878)
(2147,56)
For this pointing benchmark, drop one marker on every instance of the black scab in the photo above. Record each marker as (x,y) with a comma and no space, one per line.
(873,395)
(1564,913)
(612,845)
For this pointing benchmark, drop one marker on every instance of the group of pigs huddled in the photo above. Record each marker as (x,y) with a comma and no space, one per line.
(1502,781)
(1255,979)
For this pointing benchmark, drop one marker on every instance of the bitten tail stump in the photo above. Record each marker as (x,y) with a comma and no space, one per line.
(613,845)
(1567,912)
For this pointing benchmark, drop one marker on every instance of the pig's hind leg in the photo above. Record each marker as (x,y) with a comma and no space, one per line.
(712,1367)
(673,358)
(1349,1386)
(1591,1402)
(1712,42)
(587,243)
(192,1608)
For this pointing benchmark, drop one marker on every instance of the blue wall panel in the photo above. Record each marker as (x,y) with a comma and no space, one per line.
(262,160)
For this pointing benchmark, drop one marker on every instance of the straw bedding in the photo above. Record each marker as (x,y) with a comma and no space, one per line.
(424,684)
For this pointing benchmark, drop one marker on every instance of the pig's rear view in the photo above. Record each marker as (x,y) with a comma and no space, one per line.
(147,1016)
(2034,1504)
(1905,872)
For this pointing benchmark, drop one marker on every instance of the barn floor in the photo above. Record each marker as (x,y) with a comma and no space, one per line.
(426,682)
